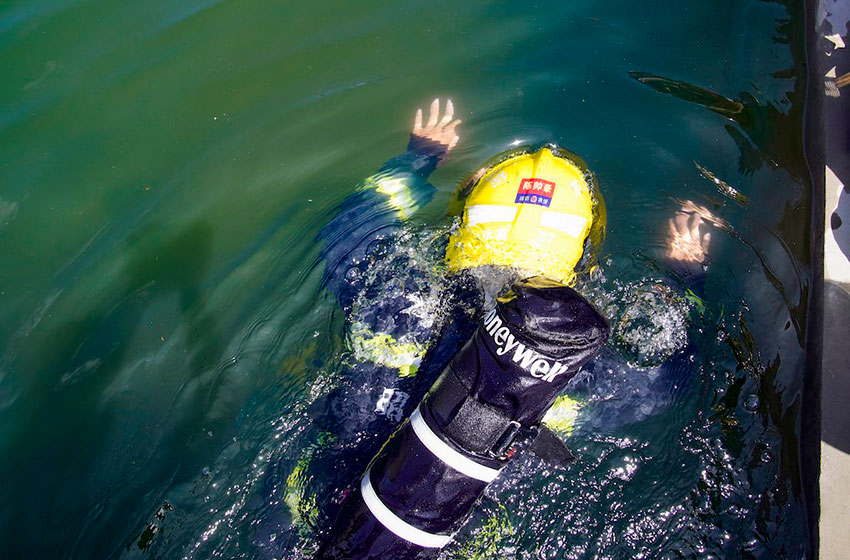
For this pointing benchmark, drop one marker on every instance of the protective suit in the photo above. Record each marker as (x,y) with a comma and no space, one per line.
(452,384)
(532,211)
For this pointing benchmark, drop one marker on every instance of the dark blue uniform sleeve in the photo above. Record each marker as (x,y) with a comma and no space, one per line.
(691,275)
(382,203)
(677,373)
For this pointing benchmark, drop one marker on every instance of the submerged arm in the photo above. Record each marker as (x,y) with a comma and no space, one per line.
(384,201)
(686,259)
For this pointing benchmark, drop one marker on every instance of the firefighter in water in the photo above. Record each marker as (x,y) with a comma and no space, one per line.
(468,355)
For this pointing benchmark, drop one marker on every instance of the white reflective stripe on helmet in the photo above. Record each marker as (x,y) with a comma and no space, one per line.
(394,523)
(571,224)
(485,213)
(446,454)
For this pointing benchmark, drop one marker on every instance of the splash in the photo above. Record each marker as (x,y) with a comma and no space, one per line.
(649,318)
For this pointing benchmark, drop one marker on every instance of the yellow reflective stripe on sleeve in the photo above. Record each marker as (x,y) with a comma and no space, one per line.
(562,415)
(385,350)
(397,192)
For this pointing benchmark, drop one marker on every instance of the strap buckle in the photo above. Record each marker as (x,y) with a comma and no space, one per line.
(504,447)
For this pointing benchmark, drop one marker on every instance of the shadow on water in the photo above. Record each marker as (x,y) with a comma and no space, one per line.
(160,266)
(177,264)
(85,358)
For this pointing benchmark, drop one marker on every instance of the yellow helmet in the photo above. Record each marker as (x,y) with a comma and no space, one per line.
(529,209)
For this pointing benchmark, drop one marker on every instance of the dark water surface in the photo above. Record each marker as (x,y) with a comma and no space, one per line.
(166,166)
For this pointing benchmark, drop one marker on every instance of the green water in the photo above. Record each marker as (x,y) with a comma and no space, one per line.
(164,170)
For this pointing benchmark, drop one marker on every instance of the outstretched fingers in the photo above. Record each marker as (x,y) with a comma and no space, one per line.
(693,226)
(435,113)
(417,122)
(681,221)
(450,113)
(440,129)
(674,230)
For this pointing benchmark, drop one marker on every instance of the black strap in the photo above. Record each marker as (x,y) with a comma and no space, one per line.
(484,430)
(551,449)
(478,427)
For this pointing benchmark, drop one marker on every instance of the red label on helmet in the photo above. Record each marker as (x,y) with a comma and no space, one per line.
(535,191)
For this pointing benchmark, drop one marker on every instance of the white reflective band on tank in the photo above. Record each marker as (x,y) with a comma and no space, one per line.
(446,454)
(484,213)
(570,224)
(394,523)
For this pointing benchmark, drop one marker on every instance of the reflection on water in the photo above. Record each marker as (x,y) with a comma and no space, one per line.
(167,170)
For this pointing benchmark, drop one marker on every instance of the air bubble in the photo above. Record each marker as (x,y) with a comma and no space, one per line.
(352,274)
